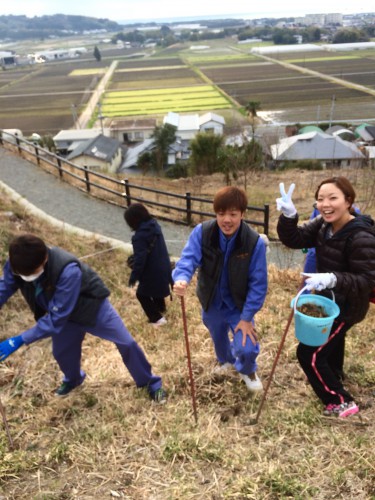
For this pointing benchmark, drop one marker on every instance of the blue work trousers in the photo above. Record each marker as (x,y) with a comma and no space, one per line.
(67,348)
(228,345)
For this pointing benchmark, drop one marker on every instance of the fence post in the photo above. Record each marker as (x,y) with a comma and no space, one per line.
(59,167)
(18,142)
(188,208)
(127,192)
(87,178)
(37,155)
(266,219)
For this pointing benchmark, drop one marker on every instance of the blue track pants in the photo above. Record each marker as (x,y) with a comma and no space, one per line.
(228,346)
(67,348)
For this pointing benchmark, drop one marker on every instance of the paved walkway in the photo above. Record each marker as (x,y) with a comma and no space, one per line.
(74,207)
(70,205)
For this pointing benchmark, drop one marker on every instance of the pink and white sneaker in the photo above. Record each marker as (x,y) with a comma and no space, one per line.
(347,409)
(341,411)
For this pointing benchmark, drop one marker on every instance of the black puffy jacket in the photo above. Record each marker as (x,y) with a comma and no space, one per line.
(349,254)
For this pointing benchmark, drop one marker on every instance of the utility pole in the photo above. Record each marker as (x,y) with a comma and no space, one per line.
(74,113)
(100,116)
(332,108)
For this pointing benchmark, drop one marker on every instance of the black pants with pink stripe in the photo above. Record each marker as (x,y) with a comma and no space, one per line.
(323,365)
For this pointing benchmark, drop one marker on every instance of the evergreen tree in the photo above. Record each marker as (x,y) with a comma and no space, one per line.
(97,54)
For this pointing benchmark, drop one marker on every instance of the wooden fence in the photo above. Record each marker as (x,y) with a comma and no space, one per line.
(184,209)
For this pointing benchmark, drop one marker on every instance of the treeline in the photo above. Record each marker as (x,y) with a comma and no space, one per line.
(23,27)
(287,36)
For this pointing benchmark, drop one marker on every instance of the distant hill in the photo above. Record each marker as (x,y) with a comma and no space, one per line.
(23,27)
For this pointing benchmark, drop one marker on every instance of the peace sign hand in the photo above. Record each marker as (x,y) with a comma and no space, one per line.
(285,204)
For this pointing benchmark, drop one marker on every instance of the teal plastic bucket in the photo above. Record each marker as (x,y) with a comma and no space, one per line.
(309,330)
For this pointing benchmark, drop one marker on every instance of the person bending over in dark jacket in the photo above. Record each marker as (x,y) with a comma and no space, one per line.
(345,256)
(232,282)
(68,299)
(151,263)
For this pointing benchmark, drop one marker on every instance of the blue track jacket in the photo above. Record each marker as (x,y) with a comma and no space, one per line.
(191,259)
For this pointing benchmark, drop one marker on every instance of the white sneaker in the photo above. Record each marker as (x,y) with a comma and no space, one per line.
(253,385)
(222,369)
(160,322)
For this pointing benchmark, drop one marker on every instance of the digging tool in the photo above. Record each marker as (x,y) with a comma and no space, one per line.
(192,386)
(281,345)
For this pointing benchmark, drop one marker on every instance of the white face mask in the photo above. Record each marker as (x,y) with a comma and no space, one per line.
(32,277)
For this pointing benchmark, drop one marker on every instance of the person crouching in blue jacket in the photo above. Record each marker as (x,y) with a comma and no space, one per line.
(68,299)
(232,282)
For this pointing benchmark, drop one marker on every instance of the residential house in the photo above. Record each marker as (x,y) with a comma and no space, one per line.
(67,140)
(132,131)
(7,59)
(317,146)
(99,153)
(187,126)
(366,133)
(343,133)
(179,150)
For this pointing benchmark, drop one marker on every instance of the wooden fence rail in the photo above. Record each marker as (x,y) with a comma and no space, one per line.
(122,192)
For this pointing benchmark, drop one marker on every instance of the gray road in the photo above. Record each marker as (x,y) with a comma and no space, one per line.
(70,205)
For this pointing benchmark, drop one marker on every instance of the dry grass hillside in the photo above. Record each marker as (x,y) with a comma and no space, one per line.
(107,440)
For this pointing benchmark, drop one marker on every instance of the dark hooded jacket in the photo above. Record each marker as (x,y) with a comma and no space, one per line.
(349,254)
(152,266)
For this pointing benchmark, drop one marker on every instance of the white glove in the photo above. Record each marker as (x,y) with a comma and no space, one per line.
(319,281)
(285,203)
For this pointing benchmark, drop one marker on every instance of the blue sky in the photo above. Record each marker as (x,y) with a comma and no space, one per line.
(123,10)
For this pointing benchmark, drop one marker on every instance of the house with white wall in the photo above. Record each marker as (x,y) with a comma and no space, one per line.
(187,126)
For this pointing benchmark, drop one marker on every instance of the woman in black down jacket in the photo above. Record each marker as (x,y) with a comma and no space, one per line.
(345,251)
(151,263)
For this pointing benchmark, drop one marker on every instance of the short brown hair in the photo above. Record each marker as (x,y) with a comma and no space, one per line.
(344,185)
(230,197)
(26,253)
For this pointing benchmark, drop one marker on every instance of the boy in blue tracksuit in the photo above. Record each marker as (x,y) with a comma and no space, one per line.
(68,299)
(232,282)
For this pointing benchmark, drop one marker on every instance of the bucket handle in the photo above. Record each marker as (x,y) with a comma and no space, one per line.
(299,294)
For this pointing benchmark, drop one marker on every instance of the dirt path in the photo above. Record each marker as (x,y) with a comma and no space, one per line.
(86,115)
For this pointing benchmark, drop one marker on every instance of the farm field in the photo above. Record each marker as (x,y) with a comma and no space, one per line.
(360,71)
(276,86)
(127,79)
(42,98)
(162,101)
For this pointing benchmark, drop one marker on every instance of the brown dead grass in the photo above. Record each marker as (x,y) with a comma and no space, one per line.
(108,440)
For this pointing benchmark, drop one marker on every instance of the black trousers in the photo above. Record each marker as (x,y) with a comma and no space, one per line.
(154,307)
(323,366)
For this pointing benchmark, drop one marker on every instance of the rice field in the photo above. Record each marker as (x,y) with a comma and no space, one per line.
(158,101)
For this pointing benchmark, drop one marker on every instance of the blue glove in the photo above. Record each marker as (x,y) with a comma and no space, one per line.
(319,281)
(9,346)
(285,203)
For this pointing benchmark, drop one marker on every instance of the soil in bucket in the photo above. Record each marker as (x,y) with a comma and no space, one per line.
(313,310)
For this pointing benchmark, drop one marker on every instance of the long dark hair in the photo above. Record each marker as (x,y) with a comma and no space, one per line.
(135,215)
(344,186)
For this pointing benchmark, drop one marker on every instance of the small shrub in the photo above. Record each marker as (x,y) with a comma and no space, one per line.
(177,171)
(302,165)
